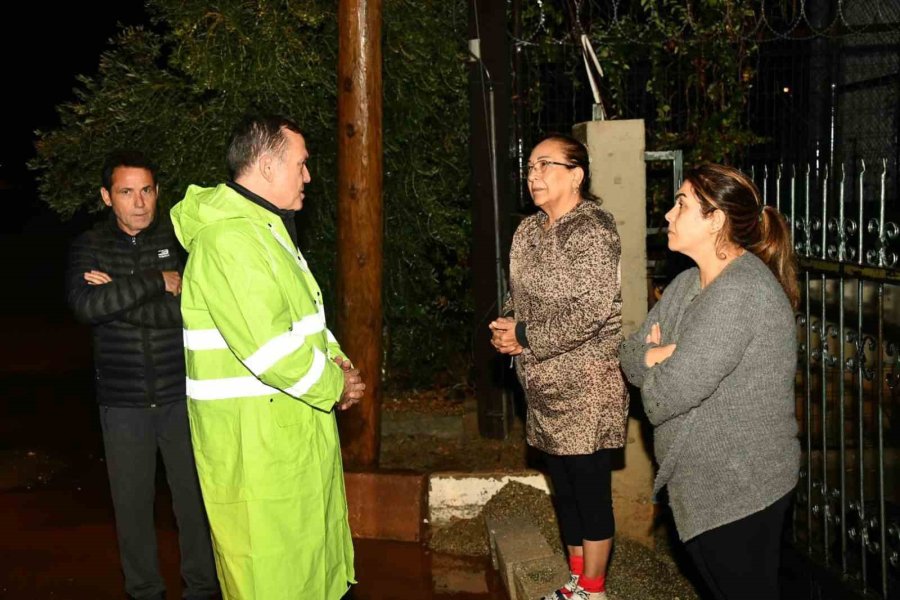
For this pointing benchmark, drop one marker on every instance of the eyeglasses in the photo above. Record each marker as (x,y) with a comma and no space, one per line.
(540,166)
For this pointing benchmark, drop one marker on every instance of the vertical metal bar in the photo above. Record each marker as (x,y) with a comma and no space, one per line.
(833,119)
(879,380)
(765,185)
(778,172)
(841,228)
(842,525)
(823,373)
(793,205)
(677,169)
(807,226)
(860,441)
(807,416)
(808,387)
(862,173)
(861,373)
(824,255)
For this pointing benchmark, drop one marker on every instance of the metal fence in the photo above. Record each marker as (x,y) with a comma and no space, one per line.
(844,228)
(833,94)
(826,81)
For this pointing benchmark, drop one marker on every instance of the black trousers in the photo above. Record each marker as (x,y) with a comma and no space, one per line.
(740,560)
(131,438)
(582,494)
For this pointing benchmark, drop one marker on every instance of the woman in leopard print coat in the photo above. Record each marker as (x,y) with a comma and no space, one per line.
(565,332)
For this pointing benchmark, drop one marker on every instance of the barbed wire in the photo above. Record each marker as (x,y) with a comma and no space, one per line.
(799,27)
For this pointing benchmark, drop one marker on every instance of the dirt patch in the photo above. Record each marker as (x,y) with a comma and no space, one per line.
(426,453)
(438,401)
(469,537)
(427,447)
(462,537)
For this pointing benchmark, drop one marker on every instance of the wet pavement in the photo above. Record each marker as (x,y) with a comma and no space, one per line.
(60,543)
(58,537)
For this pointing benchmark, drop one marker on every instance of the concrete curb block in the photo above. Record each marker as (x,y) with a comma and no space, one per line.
(535,579)
(528,566)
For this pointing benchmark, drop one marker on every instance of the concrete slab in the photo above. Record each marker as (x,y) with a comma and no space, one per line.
(536,578)
(516,542)
(386,505)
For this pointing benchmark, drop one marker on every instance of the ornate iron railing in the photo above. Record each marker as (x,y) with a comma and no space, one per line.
(844,230)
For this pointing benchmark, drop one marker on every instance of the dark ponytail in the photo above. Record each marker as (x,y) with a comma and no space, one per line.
(774,248)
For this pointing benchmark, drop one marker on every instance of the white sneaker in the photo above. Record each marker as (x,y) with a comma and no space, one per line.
(581,594)
(566,591)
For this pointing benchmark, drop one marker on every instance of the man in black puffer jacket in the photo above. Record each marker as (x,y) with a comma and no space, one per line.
(124,279)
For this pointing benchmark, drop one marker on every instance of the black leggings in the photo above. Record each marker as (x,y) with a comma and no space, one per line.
(740,560)
(582,492)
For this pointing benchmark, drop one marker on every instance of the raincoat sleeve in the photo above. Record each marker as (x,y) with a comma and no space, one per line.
(710,345)
(594,276)
(232,268)
(96,304)
(334,347)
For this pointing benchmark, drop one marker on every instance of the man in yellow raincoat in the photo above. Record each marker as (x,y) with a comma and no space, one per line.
(264,375)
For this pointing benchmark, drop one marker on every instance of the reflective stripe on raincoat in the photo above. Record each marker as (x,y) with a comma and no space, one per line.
(261,388)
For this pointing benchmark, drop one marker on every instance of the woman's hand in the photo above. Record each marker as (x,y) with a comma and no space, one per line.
(659,353)
(503,336)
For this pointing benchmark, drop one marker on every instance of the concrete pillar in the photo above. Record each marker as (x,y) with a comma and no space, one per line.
(618,176)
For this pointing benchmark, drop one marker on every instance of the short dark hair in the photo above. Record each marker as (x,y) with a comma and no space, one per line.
(254,136)
(125,158)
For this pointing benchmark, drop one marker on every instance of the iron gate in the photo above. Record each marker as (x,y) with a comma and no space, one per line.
(847,514)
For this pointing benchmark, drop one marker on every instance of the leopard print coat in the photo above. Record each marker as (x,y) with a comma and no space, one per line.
(565,287)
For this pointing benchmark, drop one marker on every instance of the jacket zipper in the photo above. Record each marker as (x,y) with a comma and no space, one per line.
(150,374)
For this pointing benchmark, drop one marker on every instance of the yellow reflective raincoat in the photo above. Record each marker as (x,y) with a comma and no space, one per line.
(261,388)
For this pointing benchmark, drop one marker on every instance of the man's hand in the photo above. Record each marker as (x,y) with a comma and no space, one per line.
(353,384)
(173,282)
(503,336)
(97,277)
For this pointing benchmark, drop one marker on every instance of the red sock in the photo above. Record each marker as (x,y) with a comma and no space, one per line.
(576,565)
(594,585)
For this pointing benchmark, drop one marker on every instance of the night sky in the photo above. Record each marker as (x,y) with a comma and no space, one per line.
(44,47)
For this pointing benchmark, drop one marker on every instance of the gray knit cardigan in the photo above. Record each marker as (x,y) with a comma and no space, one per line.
(722,406)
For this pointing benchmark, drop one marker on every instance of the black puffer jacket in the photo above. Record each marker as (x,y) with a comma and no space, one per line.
(138,340)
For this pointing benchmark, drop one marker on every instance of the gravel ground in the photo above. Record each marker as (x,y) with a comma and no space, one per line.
(635,573)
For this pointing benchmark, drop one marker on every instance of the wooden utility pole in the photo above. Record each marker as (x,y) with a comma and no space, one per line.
(488,152)
(360,219)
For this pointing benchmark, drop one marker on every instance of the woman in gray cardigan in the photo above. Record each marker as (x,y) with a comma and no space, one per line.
(715,362)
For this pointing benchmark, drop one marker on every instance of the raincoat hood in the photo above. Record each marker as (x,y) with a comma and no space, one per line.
(203,206)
